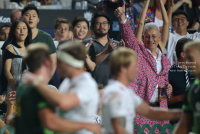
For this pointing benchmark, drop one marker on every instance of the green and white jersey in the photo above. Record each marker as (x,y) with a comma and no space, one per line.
(192,104)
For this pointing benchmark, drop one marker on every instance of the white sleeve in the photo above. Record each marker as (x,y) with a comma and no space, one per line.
(196,36)
(137,100)
(116,106)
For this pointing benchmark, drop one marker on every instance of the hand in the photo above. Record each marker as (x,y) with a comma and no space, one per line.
(171,3)
(120,12)
(111,46)
(169,89)
(28,78)
(87,46)
(95,128)
(122,43)
(189,2)
(11,97)
(2,98)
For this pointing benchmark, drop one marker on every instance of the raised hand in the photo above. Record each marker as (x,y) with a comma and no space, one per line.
(189,2)
(28,78)
(11,97)
(122,43)
(111,46)
(120,12)
(87,46)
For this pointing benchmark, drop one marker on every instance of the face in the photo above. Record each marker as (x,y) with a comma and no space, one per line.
(151,39)
(31,18)
(64,69)
(17,15)
(132,69)
(4,33)
(80,30)
(192,59)
(101,26)
(21,31)
(180,23)
(61,32)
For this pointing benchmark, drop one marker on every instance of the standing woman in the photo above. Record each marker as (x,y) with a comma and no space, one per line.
(80,29)
(19,37)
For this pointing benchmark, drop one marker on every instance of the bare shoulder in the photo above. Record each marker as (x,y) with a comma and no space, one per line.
(10,48)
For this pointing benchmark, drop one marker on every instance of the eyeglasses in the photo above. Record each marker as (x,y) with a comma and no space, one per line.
(64,29)
(148,36)
(101,23)
(179,19)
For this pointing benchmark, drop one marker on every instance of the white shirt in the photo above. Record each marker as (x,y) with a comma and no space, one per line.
(86,90)
(119,101)
(171,46)
(158,22)
(56,43)
(159,69)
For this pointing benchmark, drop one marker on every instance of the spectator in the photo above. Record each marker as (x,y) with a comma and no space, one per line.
(153,66)
(61,29)
(15,14)
(19,37)
(101,47)
(180,23)
(30,102)
(31,14)
(80,29)
(180,77)
(20,4)
(4,32)
(78,99)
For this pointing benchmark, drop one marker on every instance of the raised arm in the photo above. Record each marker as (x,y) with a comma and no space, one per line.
(165,29)
(127,32)
(180,3)
(141,22)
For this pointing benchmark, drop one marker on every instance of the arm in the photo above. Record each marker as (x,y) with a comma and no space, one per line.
(180,3)
(2,124)
(157,113)
(53,59)
(8,74)
(141,22)
(90,64)
(165,29)
(175,99)
(118,125)
(184,125)
(52,122)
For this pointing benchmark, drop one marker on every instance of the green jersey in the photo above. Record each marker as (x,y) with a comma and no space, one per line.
(192,104)
(29,102)
(44,37)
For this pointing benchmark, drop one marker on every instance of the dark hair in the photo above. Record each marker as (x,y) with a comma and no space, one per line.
(11,37)
(30,7)
(5,25)
(14,11)
(100,86)
(35,55)
(100,14)
(178,12)
(79,19)
(60,20)
(180,44)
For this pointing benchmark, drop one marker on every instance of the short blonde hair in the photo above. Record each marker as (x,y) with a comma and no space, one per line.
(192,45)
(120,57)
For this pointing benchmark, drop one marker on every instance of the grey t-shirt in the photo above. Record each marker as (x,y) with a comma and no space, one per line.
(102,71)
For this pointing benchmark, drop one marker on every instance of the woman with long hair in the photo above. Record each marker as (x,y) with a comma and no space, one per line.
(19,37)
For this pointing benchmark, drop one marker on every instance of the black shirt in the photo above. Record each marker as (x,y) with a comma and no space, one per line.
(101,72)
(177,79)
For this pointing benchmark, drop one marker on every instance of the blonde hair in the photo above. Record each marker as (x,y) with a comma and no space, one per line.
(192,44)
(120,57)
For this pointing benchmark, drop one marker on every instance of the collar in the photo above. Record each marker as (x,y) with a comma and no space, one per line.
(158,52)
(178,66)
(182,35)
(78,78)
(112,81)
